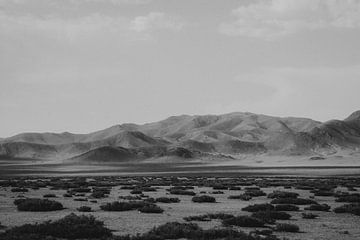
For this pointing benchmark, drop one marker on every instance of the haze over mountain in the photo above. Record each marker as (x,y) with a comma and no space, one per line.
(228,135)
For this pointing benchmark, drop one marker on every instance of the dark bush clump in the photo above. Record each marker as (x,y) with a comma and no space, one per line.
(98,194)
(286,227)
(37,205)
(318,207)
(255,193)
(296,201)
(309,216)
(271,216)
(123,206)
(151,208)
(286,207)
(69,227)
(353,208)
(182,192)
(243,221)
(19,190)
(258,207)
(167,200)
(208,217)
(204,199)
(281,194)
(136,191)
(353,198)
(49,196)
(84,209)
(243,197)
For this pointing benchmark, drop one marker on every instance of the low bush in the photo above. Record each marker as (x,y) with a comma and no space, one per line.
(123,206)
(287,227)
(182,192)
(151,208)
(203,199)
(84,209)
(353,208)
(243,221)
(271,216)
(286,207)
(69,227)
(136,191)
(49,196)
(243,197)
(318,207)
(296,201)
(167,200)
(282,194)
(37,205)
(309,216)
(258,207)
(353,198)
(208,217)
(19,190)
(255,193)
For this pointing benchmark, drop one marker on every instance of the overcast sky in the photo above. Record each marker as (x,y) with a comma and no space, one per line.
(83,65)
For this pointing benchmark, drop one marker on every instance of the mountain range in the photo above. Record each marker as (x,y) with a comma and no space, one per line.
(228,135)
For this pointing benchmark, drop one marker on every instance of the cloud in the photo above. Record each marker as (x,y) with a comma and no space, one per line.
(273,19)
(156,21)
(312,92)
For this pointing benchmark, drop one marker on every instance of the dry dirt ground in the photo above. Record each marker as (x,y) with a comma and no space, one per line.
(328,226)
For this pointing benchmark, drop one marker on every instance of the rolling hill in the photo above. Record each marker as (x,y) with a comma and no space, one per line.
(185,136)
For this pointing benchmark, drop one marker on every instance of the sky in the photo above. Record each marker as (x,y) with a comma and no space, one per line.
(84,65)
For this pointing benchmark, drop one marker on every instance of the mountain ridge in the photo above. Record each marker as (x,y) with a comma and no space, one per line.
(229,134)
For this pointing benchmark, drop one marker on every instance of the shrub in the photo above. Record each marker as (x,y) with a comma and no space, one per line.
(81,199)
(122,206)
(174,230)
(80,190)
(67,195)
(203,199)
(309,216)
(182,192)
(286,207)
(243,221)
(258,207)
(271,216)
(167,200)
(286,227)
(200,218)
(69,227)
(49,196)
(281,194)
(318,207)
(243,197)
(37,205)
(353,208)
(19,190)
(296,201)
(255,193)
(84,209)
(136,191)
(151,208)
(98,194)
(354,198)
(208,217)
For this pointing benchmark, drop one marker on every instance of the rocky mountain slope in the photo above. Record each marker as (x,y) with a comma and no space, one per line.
(187,136)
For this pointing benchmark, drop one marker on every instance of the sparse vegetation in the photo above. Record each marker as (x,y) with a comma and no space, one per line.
(287,227)
(37,205)
(203,199)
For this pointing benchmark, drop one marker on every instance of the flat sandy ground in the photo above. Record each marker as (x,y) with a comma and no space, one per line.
(328,226)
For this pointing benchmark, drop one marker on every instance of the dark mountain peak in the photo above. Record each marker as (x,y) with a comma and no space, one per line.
(355,116)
